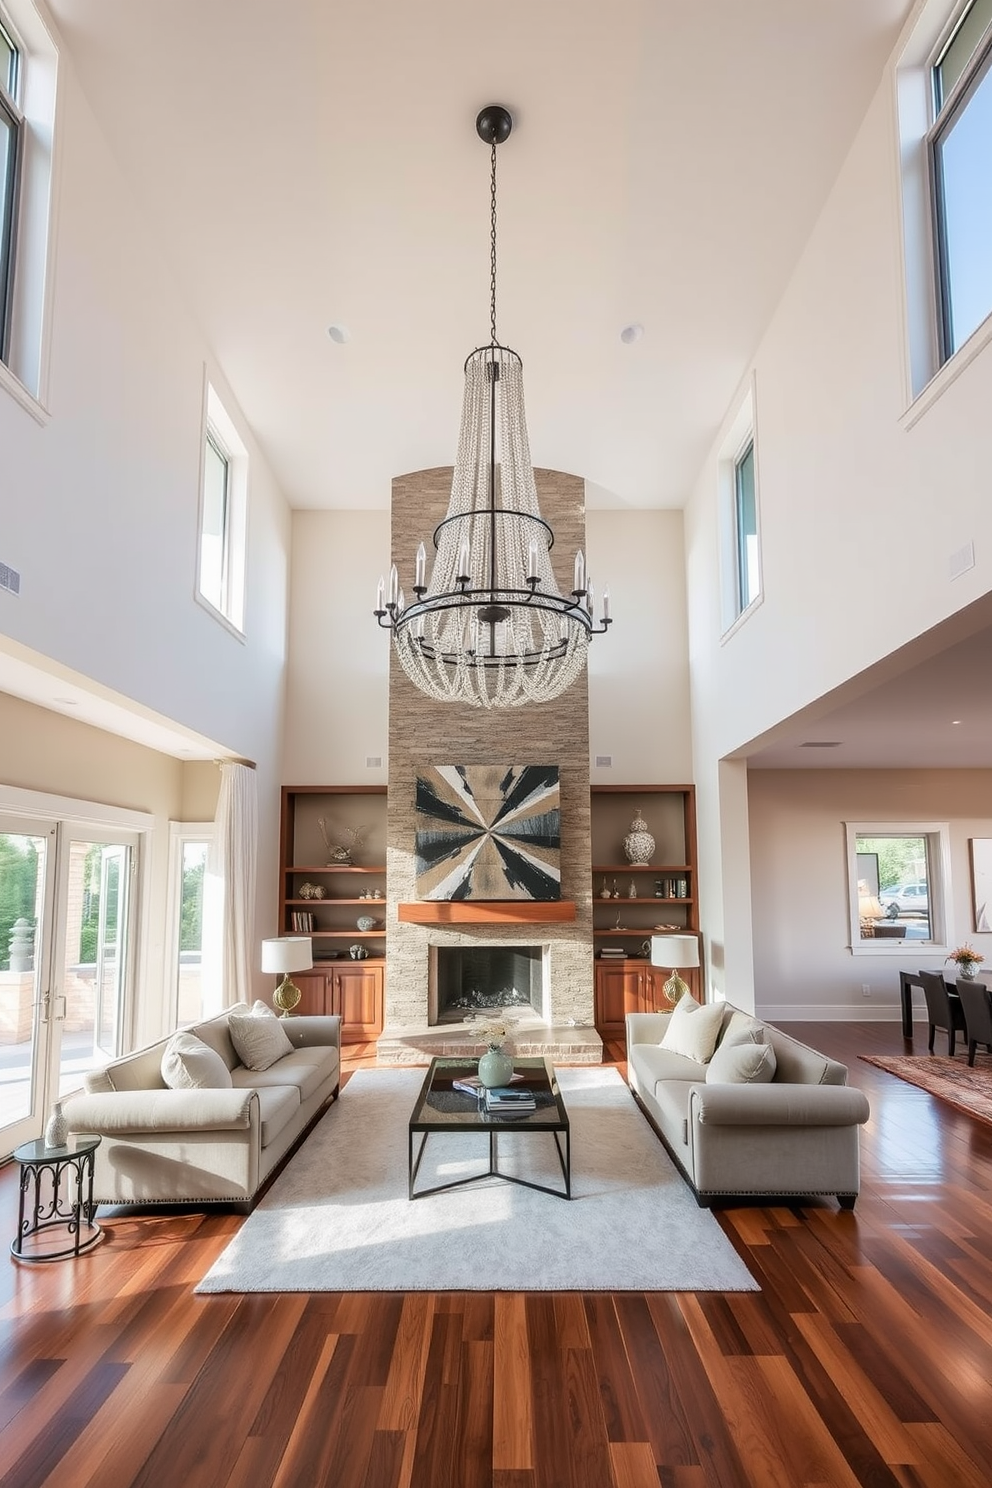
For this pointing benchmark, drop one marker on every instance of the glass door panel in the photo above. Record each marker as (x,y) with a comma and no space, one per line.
(27,867)
(94,972)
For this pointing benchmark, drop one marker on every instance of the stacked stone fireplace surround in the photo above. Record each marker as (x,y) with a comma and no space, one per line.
(423,732)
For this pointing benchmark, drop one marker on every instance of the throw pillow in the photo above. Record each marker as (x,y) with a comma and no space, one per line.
(258,1042)
(741,1064)
(742,1029)
(188,1064)
(261,1009)
(693,1028)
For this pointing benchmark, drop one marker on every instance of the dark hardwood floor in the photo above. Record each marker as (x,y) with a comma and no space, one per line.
(865,1358)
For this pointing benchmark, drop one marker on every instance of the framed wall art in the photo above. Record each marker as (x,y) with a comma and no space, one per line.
(981,881)
(488,832)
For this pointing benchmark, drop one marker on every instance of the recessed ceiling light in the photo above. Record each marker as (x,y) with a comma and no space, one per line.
(631,333)
(955,721)
(339,334)
(66,702)
(820,744)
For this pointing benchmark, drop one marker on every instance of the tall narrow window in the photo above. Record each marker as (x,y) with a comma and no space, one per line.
(10,132)
(961,164)
(215,527)
(223,516)
(746,526)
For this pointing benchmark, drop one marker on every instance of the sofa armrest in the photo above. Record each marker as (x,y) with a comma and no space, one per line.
(778,1105)
(313,1030)
(162,1111)
(646,1028)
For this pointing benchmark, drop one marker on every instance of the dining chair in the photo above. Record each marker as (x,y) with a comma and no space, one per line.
(976,1004)
(943,1009)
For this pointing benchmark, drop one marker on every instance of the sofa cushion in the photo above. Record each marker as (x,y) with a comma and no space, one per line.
(258,1041)
(306,1069)
(671,1099)
(693,1028)
(741,1064)
(278,1104)
(188,1064)
(651,1063)
(216,1035)
(740,1028)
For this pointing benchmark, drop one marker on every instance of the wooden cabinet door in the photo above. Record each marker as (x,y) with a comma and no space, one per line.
(317,992)
(618,992)
(358,990)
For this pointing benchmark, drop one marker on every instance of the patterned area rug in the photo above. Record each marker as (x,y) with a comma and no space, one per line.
(950,1079)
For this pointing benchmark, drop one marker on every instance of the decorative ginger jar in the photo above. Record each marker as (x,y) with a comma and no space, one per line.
(638,845)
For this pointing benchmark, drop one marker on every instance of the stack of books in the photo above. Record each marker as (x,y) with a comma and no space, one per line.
(613,953)
(503,1100)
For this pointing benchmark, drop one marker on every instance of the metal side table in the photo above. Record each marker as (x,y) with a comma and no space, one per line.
(56,1193)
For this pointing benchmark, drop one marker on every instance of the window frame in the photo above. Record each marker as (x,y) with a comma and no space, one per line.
(219,432)
(743,567)
(741,434)
(947,113)
(938,839)
(11,113)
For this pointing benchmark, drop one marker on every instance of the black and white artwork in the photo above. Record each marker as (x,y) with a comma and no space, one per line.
(488,832)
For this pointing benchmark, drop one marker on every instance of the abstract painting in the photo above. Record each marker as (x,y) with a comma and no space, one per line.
(488,832)
(981,881)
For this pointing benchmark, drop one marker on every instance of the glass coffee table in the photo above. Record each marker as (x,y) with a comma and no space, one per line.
(440,1111)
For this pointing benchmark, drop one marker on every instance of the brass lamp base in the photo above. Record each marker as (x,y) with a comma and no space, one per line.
(286,996)
(675,988)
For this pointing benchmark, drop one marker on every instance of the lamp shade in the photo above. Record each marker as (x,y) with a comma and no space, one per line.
(287,953)
(675,951)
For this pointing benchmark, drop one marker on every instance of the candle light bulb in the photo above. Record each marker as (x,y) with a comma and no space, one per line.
(590,596)
(401,601)
(394,584)
(580,572)
(532,561)
(606,603)
(380,593)
(421,567)
(463,572)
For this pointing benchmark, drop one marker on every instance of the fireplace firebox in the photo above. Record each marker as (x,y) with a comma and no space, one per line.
(473,979)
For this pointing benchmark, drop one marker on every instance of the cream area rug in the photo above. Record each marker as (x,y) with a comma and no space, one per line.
(338,1217)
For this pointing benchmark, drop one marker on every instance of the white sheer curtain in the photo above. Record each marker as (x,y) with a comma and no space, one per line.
(231,875)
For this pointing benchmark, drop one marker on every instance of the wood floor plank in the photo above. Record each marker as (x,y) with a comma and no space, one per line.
(513,1418)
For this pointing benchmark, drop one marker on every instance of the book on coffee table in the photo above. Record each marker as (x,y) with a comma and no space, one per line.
(472,1085)
(505,1099)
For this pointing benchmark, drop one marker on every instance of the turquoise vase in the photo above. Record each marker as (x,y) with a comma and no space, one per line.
(495,1068)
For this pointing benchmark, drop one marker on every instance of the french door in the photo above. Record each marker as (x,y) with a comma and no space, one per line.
(66,915)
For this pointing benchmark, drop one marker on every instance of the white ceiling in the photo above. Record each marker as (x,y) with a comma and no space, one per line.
(314,163)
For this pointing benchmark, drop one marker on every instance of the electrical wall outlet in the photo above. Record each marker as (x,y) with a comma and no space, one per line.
(865,989)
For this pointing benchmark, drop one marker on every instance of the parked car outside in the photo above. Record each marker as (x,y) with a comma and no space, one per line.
(906,898)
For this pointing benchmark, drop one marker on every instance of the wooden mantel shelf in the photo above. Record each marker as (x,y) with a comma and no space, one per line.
(486,912)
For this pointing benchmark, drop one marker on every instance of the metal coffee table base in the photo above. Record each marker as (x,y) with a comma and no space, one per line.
(494,1170)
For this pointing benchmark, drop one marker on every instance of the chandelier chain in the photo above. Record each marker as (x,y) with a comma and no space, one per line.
(492,246)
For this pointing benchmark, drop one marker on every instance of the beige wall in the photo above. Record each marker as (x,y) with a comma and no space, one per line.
(802,962)
(44,751)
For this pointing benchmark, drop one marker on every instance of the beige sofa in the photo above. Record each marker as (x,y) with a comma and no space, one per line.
(163,1146)
(797,1134)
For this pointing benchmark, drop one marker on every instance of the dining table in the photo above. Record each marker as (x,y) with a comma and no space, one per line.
(910,979)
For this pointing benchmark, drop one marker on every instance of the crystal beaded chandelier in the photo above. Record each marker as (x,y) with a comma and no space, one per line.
(490,627)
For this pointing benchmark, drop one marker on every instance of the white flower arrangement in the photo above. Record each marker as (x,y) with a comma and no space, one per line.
(492,1032)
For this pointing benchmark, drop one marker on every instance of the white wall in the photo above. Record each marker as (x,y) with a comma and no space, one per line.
(99,503)
(336,698)
(639,671)
(859,511)
(803,967)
